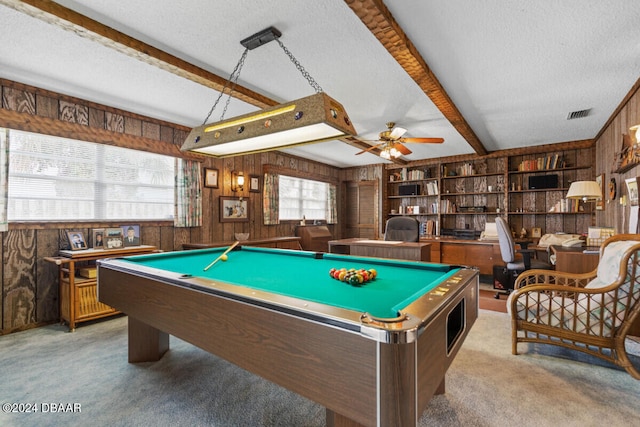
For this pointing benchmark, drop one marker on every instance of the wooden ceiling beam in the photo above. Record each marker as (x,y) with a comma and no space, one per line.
(377,18)
(67,19)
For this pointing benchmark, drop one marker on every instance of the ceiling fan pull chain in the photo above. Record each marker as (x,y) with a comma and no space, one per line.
(300,68)
(233,78)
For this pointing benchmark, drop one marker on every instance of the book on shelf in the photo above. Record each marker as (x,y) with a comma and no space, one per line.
(432,188)
(551,161)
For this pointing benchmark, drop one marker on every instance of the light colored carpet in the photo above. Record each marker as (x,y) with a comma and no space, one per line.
(486,385)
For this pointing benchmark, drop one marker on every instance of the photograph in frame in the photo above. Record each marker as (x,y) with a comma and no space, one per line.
(113,238)
(97,238)
(632,191)
(233,209)
(254,183)
(600,202)
(131,235)
(211,178)
(76,240)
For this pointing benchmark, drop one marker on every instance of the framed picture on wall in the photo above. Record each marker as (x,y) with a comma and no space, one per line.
(211,178)
(233,209)
(632,191)
(600,201)
(254,183)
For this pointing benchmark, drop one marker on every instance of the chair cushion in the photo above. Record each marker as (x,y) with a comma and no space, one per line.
(609,264)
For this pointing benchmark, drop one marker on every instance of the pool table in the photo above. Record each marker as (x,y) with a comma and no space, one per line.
(373,355)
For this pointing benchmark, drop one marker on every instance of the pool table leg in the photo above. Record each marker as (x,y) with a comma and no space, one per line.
(336,420)
(146,343)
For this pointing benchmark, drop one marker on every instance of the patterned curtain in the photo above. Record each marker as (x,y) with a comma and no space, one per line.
(4,178)
(270,197)
(332,209)
(188,194)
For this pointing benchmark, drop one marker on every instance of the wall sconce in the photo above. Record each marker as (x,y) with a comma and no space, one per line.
(237,181)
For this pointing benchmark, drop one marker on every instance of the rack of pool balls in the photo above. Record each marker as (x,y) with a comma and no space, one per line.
(353,276)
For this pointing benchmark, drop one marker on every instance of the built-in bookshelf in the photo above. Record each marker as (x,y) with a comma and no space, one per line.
(527,189)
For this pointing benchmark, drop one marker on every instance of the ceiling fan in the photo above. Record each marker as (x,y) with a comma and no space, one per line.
(391,144)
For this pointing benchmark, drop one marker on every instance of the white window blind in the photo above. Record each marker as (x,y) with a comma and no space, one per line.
(302,198)
(52,178)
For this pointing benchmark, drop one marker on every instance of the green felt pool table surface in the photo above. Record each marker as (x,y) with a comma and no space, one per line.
(305,275)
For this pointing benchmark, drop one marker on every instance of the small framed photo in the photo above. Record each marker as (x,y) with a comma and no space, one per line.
(76,240)
(632,190)
(600,202)
(211,178)
(131,235)
(254,183)
(113,238)
(97,238)
(536,232)
(233,209)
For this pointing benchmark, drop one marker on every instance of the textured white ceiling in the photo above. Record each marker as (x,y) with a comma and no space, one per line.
(515,69)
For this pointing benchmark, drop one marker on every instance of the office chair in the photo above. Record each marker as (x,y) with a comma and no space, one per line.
(508,251)
(402,228)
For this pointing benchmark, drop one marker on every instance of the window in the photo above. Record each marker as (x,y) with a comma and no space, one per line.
(302,198)
(53,178)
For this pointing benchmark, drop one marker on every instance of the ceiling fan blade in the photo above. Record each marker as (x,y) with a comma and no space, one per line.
(373,147)
(401,148)
(397,133)
(423,140)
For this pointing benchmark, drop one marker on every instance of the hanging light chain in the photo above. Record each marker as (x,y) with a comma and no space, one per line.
(300,68)
(233,80)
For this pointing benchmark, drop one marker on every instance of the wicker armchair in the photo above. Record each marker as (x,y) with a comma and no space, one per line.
(590,312)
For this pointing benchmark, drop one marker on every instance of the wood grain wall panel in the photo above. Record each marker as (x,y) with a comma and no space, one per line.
(20,100)
(19,280)
(132,126)
(114,122)
(181,235)
(166,239)
(608,145)
(46,106)
(167,134)
(47,308)
(73,113)
(97,118)
(151,130)
(150,235)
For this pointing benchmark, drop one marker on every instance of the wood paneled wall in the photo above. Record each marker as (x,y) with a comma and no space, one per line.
(608,144)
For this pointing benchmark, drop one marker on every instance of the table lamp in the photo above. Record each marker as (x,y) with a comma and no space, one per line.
(585,191)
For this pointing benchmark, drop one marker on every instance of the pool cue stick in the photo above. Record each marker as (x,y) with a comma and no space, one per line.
(223,254)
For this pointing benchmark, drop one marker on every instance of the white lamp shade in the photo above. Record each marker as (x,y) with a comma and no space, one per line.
(585,190)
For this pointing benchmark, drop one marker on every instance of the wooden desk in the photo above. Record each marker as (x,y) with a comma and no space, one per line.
(291,242)
(78,294)
(412,251)
(483,254)
(574,260)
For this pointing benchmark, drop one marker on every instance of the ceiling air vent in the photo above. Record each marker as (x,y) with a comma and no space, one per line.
(578,114)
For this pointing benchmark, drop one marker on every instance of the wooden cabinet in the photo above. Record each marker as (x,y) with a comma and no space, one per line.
(473,253)
(78,284)
(314,237)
